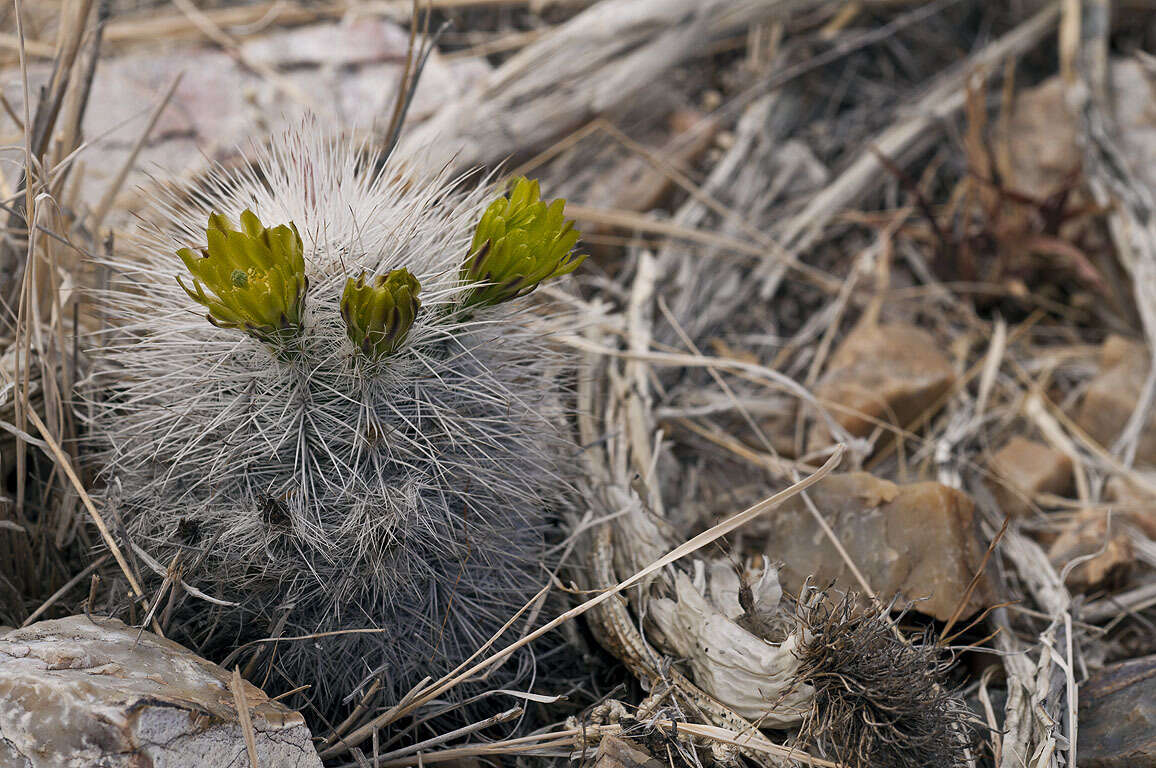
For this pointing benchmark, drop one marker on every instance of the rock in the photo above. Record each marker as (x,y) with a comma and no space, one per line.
(78,693)
(1134,503)
(1088,534)
(1118,716)
(345,73)
(1113,394)
(911,541)
(1041,139)
(890,373)
(614,752)
(1042,136)
(1023,469)
(354,41)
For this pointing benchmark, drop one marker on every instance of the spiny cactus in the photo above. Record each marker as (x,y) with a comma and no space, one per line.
(366,433)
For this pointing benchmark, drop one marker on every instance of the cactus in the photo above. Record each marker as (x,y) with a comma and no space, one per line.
(397,472)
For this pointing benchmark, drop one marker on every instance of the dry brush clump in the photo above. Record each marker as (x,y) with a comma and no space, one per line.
(366,437)
(880,698)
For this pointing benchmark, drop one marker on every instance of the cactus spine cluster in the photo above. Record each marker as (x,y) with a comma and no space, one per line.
(366,434)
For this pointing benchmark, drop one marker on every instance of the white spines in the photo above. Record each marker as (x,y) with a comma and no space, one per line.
(321,489)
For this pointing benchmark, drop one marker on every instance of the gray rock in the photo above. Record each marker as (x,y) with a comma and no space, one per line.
(76,693)
(343,74)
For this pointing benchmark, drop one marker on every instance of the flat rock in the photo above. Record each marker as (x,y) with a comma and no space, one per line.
(1113,394)
(1023,469)
(345,74)
(614,752)
(75,693)
(1118,716)
(887,373)
(912,541)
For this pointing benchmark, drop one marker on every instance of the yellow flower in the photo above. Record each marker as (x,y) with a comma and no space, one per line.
(378,316)
(255,277)
(520,241)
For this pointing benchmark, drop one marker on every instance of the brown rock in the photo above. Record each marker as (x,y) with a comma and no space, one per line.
(1113,394)
(614,752)
(1088,534)
(1042,131)
(911,541)
(74,692)
(1133,503)
(890,373)
(1118,716)
(1024,468)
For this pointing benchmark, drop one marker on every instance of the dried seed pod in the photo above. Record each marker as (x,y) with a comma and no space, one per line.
(879,699)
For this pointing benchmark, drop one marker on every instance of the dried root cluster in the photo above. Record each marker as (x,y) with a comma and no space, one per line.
(396,493)
(880,698)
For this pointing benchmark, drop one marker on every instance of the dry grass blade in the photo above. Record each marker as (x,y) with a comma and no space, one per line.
(747,740)
(66,466)
(237,687)
(577,739)
(64,589)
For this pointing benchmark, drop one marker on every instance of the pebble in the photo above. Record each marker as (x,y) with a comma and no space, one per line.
(888,373)
(912,541)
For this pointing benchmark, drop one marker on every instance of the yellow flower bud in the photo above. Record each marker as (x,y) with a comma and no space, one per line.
(252,279)
(378,316)
(520,242)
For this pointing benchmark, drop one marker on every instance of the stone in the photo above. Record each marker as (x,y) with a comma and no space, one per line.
(888,373)
(344,73)
(81,692)
(1023,469)
(1113,394)
(1136,504)
(353,41)
(910,541)
(614,752)
(1041,139)
(1118,716)
(1042,132)
(1088,534)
